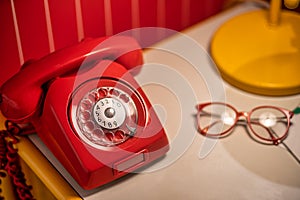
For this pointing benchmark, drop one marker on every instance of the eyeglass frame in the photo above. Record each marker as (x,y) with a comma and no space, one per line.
(288,113)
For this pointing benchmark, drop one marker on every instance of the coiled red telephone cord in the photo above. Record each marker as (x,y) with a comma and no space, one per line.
(9,161)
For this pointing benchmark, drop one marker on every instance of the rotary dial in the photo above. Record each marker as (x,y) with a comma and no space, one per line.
(106,116)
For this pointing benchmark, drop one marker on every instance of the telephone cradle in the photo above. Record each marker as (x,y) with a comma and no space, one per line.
(86,106)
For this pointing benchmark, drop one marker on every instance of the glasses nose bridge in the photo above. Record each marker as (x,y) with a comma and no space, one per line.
(242,114)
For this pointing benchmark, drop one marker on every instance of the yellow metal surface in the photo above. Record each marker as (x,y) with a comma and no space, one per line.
(258,56)
(47,183)
(7,188)
(45,171)
(6,185)
(39,190)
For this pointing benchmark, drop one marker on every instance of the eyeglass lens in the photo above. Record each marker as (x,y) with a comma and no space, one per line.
(216,119)
(267,123)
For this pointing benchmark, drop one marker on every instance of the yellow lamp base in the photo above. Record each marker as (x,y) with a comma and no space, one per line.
(258,57)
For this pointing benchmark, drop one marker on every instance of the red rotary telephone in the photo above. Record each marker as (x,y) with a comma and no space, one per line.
(88,109)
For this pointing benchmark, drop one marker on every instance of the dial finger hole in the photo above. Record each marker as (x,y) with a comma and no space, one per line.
(98,133)
(86,105)
(131,122)
(109,136)
(124,98)
(102,92)
(93,97)
(85,115)
(119,135)
(89,126)
(114,92)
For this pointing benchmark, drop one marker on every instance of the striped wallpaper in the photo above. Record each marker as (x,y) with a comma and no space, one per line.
(31,29)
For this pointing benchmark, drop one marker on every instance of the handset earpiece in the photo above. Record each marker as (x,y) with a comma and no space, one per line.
(21,95)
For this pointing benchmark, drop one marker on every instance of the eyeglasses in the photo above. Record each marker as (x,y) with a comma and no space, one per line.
(269,124)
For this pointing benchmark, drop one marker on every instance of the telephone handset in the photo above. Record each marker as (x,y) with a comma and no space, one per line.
(88,109)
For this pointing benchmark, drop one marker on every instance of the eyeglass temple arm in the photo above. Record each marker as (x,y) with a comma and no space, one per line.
(209,114)
(275,118)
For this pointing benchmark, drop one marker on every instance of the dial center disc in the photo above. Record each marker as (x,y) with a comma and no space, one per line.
(109,113)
